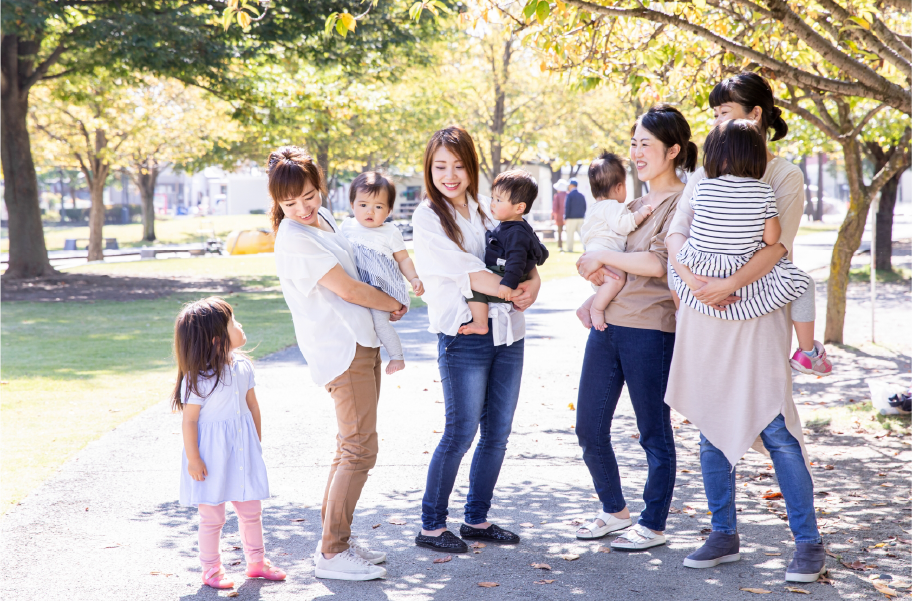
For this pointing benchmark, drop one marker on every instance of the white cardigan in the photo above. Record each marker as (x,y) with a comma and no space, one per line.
(444,270)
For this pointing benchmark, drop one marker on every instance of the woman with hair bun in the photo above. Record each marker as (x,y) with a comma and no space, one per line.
(636,347)
(730,377)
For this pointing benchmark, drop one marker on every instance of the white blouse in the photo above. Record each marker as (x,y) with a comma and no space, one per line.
(444,270)
(327,327)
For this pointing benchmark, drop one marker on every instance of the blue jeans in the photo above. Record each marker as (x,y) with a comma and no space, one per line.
(641,358)
(794,482)
(480,388)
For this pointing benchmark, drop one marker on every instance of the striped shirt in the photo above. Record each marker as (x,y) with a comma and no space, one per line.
(730,214)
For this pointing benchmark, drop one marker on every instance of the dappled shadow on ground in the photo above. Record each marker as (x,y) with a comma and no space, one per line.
(90,287)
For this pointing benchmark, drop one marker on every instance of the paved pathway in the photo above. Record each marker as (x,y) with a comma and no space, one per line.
(108,526)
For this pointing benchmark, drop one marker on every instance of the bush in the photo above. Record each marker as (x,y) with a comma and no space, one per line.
(257,211)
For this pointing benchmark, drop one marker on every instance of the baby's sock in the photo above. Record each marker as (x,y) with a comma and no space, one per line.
(811,353)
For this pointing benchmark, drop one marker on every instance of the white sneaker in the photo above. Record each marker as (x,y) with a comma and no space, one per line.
(364,553)
(638,537)
(347,566)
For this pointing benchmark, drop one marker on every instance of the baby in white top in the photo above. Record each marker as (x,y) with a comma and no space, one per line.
(606,227)
(380,254)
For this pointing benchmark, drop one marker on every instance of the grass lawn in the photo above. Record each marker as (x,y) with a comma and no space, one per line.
(168,230)
(815,227)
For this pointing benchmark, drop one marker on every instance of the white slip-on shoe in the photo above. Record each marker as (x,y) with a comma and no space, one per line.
(593,530)
(364,553)
(637,538)
(347,566)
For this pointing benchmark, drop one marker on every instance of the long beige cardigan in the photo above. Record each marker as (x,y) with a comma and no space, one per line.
(732,378)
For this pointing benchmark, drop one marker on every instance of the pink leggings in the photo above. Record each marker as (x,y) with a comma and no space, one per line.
(212,518)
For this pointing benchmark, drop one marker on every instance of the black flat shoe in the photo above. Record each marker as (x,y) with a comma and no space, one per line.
(492,533)
(445,543)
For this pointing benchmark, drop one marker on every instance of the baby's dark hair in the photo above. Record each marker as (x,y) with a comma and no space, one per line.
(521,186)
(735,148)
(202,346)
(606,172)
(372,183)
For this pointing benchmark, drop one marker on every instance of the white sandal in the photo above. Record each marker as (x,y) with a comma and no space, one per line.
(612,524)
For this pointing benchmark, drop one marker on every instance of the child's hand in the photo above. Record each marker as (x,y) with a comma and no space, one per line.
(417,286)
(505,292)
(645,211)
(197,469)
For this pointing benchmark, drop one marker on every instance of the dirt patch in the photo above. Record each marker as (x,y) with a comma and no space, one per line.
(90,287)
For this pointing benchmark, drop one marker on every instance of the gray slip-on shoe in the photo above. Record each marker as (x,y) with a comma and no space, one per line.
(718,548)
(808,563)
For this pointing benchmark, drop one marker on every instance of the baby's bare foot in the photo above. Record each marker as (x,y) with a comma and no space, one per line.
(598,319)
(394,365)
(474,328)
(583,314)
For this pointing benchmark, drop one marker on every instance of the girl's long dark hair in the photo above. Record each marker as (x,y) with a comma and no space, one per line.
(460,143)
(202,347)
(750,90)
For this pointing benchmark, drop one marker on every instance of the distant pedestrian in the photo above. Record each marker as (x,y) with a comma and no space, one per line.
(222,459)
(574,213)
(330,308)
(558,203)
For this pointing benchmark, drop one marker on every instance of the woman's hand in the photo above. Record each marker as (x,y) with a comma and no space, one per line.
(197,469)
(602,275)
(588,264)
(715,292)
(398,313)
(527,292)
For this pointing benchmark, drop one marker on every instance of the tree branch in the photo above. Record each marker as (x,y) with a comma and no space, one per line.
(874,44)
(864,121)
(41,70)
(808,116)
(896,162)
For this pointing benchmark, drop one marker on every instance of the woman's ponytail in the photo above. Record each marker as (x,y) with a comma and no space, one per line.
(778,124)
(690,161)
(670,127)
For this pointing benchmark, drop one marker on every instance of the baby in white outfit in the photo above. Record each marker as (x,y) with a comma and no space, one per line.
(606,227)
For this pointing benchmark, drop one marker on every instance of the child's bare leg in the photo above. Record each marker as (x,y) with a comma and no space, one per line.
(583,312)
(604,295)
(805,332)
(479,323)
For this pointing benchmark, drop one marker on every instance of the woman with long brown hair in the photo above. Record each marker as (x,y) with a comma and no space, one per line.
(480,374)
(330,307)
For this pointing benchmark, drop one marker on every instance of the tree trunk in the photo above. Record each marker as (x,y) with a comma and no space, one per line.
(883,257)
(27,249)
(323,162)
(821,162)
(808,202)
(97,216)
(637,184)
(847,242)
(145,175)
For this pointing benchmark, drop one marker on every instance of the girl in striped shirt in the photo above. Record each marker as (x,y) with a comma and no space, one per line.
(735,216)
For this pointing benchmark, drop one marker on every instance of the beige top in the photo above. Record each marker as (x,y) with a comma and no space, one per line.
(645,302)
(732,378)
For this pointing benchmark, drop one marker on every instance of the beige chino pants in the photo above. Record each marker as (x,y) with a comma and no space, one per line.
(355,393)
(572,226)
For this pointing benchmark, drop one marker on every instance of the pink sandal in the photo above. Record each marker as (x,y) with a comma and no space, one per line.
(264,569)
(216,578)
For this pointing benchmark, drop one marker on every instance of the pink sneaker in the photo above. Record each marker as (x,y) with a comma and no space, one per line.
(264,569)
(818,366)
(216,578)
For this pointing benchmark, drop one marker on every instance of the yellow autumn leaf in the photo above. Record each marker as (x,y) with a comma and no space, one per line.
(348,21)
(758,591)
(243,19)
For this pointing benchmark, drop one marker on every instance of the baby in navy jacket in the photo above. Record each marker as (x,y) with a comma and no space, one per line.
(512,249)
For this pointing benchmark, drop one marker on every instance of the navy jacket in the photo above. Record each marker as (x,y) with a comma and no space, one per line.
(575,207)
(514,246)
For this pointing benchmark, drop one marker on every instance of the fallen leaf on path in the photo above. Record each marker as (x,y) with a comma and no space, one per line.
(706,530)
(829,467)
(444,559)
(541,566)
(686,472)
(527,525)
(855,565)
(571,406)
(792,589)
(375,526)
(488,584)
(477,552)
(674,510)
(773,554)
(772,495)
(635,436)
(543,581)
(235,563)
(570,556)
(824,580)
(398,522)
(233,594)
(759,591)
(297,520)
(478,545)
(604,549)
(686,421)
(885,590)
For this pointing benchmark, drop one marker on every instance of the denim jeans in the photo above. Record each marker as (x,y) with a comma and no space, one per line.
(480,388)
(794,482)
(641,358)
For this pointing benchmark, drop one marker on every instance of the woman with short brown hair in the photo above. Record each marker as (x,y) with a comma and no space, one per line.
(330,308)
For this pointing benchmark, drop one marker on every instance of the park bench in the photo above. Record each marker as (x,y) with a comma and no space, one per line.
(73,243)
(547,232)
